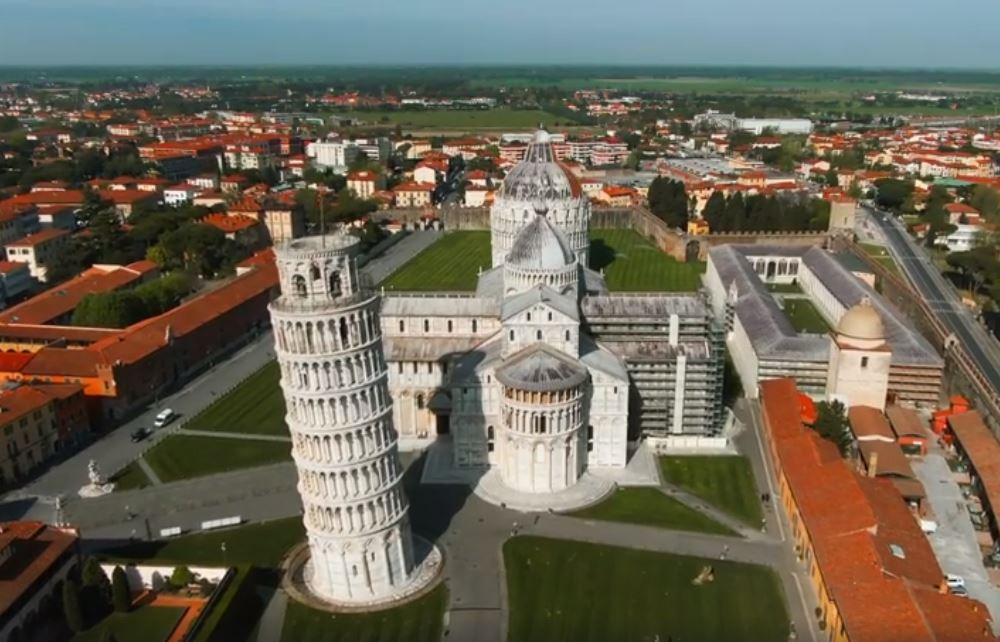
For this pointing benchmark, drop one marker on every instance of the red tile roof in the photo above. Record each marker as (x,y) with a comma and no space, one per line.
(38,238)
(37,547)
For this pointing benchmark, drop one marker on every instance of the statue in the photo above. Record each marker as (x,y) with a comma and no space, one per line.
(98,485)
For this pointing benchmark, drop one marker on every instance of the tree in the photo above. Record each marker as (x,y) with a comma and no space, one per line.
(121,597)
(71,606)
(181,577)
(832,425)
(714,210)
(986,200)
(892,192)
(668,201)
(108,636)
(96,591)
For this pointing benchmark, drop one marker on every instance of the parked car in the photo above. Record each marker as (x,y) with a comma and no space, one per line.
(954,581)
(959,591)
(928,526)
(141,433)
(164,418)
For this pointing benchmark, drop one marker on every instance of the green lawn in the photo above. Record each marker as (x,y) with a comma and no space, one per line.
(631,263)
(650,507)
(262,545)
(726,482)
(805,317)
(578,592)
(130,478)
(185,456)
(458,119)
(254,406)
(451,264)
(419,621)
(145,624)
(881,255)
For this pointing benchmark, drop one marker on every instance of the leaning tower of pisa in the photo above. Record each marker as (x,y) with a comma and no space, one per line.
(333,375)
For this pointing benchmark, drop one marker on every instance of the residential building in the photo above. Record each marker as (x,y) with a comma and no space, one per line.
(37,423)
(180,194)
(413,194)
(362,182)
(37,250)
(15,281)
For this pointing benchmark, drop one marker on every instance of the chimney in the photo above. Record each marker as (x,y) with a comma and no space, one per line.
(873,465)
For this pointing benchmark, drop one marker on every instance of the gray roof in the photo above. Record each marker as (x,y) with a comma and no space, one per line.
(477,359)
(633,306)
(439,306)
(541,368)
(427,348)
(540,246)
(516,303)
(770,331)
(598,357)
(659,350)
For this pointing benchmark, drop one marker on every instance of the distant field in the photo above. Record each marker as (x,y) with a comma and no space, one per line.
(451,264)
(514,118)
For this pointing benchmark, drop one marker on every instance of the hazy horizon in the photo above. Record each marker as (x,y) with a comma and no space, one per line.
(768,33)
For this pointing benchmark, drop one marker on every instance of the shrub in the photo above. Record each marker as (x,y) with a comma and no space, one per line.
(71,606)
(181,577)
(121,597)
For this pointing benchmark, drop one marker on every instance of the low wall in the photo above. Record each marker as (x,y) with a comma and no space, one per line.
(149,576)
(690,445)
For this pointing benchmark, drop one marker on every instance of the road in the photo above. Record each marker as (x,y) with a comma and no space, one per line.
(981,346)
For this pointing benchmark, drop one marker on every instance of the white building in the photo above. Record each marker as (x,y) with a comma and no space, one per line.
(532,376)
(964,238)
(180,194)
(758,126)
(334,155)
(333,375)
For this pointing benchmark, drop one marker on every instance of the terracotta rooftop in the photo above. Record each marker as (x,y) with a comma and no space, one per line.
(869,423)
(36,548)
(983,451)
(38,238)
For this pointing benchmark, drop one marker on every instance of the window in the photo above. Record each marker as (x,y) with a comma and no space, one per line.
(314,271)
(450,325)
(511,335)
(430,368)
(299,285)
(474,325)
(400,364)
(864,362)
(414,367)
(567,335)
(489,438)
(427,325)
(538,335)
(550,316)
(590,438)
(402,326)
(529,316)
(420,402)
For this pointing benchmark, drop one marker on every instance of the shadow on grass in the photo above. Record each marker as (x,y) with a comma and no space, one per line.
(601,254)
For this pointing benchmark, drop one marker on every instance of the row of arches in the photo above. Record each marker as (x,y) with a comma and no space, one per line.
(328,336)
(548,422)
(769,268)
(339,410)
(344,446)
(335,373)
(359,518)
(341,485)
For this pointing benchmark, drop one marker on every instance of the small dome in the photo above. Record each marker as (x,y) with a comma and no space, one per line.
(863,322)
(540,176)
(540,246)
(541,368)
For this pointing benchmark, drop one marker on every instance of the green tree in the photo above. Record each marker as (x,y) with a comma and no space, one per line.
(892,192)
(71,606)
(96,591)
(714,210)
(121,596)
(668,201)
(181,577)
(986,200)
(832,425)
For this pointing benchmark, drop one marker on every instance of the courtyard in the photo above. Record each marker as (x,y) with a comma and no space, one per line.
(630,263)
(805,317)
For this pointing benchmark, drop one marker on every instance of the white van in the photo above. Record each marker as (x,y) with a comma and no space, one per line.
(164,418)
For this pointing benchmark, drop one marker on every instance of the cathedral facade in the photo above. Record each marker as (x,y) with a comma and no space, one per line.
(542,373)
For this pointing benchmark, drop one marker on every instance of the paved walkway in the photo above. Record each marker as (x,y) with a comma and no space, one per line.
(272,621)
(697,503)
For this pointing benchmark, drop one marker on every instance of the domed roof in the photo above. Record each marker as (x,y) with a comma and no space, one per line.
(539,176)
(541,368)
(862,321)
(540,246)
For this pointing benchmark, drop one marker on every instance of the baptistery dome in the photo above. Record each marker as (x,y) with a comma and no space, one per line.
(540,180)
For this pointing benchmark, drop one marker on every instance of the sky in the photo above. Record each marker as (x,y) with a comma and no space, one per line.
(845,33)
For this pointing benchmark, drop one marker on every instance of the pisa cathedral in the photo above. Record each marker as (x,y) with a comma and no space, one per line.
(541,372)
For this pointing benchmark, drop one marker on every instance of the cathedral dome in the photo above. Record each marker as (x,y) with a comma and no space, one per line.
(862,322)
(540,246)
(541,368)
(539,176)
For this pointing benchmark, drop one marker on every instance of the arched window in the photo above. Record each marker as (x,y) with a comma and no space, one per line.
(427,325)
(299,285)
(450,325)
(511,335)
(590,438)
(567,335)
(343,331)
(529,316)
(538,335)
(420,402)
(474,325)
(314,271)
(335,284)
(489,438)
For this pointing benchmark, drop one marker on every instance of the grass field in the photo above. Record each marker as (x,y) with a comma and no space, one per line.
(784,288)
(515,118)
(145,624)
(725,482)
(419,621)
(650,507)
(262,545)
(450,264)
(254,406)
(185,456)
(564,591)
(631,263)
(131,478)
(881,255)
(805,317)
